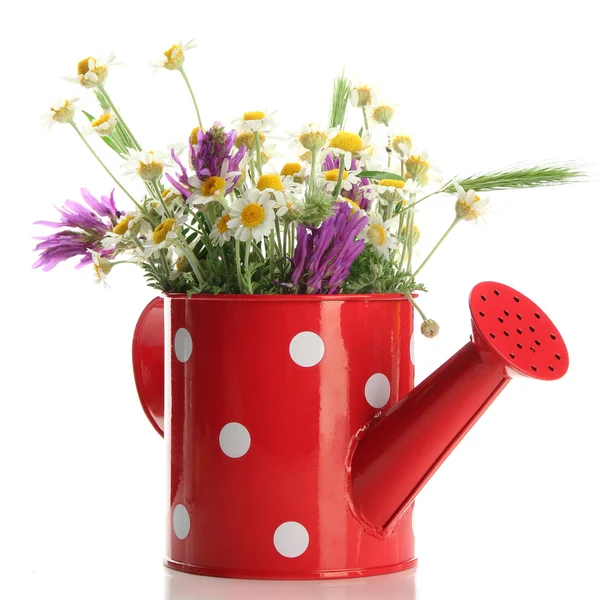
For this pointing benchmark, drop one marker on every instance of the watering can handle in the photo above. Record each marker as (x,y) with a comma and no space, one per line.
(148,352)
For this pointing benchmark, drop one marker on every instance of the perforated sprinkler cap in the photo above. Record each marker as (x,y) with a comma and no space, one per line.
(519,331)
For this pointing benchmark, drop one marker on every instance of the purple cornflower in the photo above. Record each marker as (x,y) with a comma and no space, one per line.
(357,193)
(324,255)
(84,230)
(211,156)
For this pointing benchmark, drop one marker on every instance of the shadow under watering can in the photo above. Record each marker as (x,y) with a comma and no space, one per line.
(296,442)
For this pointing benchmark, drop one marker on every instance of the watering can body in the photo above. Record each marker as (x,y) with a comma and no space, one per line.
(296,443)
(263,400)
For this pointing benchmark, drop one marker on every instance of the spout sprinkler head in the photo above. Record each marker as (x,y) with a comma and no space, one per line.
(518,331)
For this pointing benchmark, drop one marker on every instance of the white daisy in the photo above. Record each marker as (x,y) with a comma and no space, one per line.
(361,96)
(252,215)
(62,111)
(378,234)
(104,125)
(220,232)
(149,165)
(102,267)
(296,172)
(214,187)
(255,120)
(312,137)
(350,145)
(383,113)
(419,168)
(402,144)
(92,72)
(355,207)
(164,235)
(172,59)
(280,189)
(349,179)
(469,206)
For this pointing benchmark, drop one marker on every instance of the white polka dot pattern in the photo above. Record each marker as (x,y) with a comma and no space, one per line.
(291,539)
(183,345)
(307,349)
(234,440)
(377,390)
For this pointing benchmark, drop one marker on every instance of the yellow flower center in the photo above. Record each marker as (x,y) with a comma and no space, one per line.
(246,138)
(83,65)
(377,234)
(252,215)
(333,175)
(346,141)
(222,223)
(353,205)
(213,186)
(64,114)
(169,195)
(401,139)
(123,225)
(101,120)
(269,181)
(383,114)
(160,233)
(364,96)
(194,136)
(290,169)
(254,115)
(416,168)
(396,183)
(175,57)
(181,263)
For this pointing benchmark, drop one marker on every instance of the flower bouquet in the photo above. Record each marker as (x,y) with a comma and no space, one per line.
(339,217)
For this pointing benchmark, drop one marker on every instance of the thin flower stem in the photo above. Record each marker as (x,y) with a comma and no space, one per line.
(118,115)
(313,167)
(456,220)
(423,198)
(238,264)
(389,149)
(410,227)
(257,151)
(153,187)
(410,298)
(247,263)
(364,112)
(271,254)
(187,82)
(278,231)
(338,185)
(105,167)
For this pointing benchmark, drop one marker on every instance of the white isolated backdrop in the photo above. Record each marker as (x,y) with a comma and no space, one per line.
(513,512)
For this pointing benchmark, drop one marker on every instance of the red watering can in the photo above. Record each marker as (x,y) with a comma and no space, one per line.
(296,443)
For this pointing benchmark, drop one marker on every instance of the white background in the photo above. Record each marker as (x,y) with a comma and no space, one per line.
(514,511)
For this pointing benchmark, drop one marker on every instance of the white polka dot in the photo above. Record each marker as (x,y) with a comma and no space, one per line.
(181,521)
(291,539)
(377,390)
(412,348)
(234,440)
(307,349)
(183,344)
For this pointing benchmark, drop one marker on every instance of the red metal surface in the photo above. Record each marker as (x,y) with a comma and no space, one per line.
(295,444)
(396,456)
(276,509)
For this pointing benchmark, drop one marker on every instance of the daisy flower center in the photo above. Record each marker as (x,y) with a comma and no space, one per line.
(252,215)
(213,186)
(83,65)
(290,169)
(64,114)
(101,120)
(377,235)
(160,233)
(271,181)
(194,136)
(123,225)
(346,141)
(333,175)
(254,115)
(353,205)
(222,223)
(401,139)
(174,56)
(397,183)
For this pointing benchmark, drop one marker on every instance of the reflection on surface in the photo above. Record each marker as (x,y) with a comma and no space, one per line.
(396,586)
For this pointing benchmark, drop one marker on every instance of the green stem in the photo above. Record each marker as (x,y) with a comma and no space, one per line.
(412,301)
(364,112)
(410,227)
(389,149)
(456,220)
(257,151)
(313,167)
(118,115)
(105,167)
(238,264)
(247,263)
(409,206)
(272,254)
(187,82)
(338,185)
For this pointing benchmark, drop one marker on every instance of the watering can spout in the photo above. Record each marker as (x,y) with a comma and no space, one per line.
(399,451)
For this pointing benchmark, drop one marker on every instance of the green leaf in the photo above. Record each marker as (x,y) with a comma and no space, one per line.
(380,175)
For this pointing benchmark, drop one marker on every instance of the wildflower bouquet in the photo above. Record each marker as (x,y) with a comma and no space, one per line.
(223,218)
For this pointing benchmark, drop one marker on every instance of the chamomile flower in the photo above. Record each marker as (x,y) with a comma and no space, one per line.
(104,125)
(62,111)
(287,205)
(419,169)
(149,165)
(172,59)
(354,206)
(164,235)
(220,232)
(92,72)
(102,267)
(378,234)
(350,145)
(170,199)
(295,171)
(389,190)
(402,144)
(279,188)
(383,113)
(469,206)
(361,96)
(214,187)
(349,179)
(255,120)
(312,137)
(246,138)
(252,215)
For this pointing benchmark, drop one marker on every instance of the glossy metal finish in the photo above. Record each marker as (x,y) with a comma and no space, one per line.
(401,450)
(264,396)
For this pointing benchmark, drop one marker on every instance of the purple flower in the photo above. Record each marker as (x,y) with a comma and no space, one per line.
(84,230)
(323,255)
(357,193)
(211,156)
